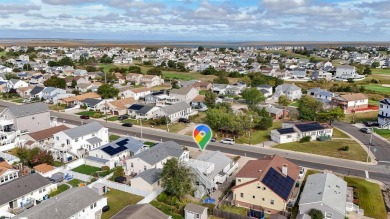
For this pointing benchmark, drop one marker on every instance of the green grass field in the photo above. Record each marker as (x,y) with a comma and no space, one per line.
(234,209)
(339,134)
(114,137)
(360,117)
(258,136)
(111,119)
(60,188)
(86,169)
(86,113)
(383,132)
(75,182)
(179,76)
(117,200)
(380,71)
(370,197)
(328,148)
(378,88)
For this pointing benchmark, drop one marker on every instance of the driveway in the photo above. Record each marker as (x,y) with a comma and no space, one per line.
(379,147)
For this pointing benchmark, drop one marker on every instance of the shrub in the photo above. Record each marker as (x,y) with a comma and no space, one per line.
(97,115)
(344,148)
(105,168)
(305,139)
(236,158)
(162,197)
(316,214)
(209,207)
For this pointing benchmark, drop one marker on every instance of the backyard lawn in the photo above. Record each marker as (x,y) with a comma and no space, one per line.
(179,76)
(370,197)
(60,188)
(114,137)
(86,169)
(175,127)
(258,136)
(58,163)
(383,132)
(117,200)
(339,134)
(75,182)
(234,209)
(328,148)
(378,88)
(294,104)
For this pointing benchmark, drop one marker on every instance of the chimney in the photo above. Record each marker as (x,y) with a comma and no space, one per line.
(284,169)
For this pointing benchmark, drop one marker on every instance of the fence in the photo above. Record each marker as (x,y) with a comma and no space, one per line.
(151,196)
(124,188)
(228,215)
(7,147)
(74,164)
(80,176)
(9,157)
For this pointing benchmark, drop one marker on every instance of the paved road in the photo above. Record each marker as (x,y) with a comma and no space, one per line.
(379,147)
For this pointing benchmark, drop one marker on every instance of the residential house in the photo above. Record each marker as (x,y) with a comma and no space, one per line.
(325,192)
(292,132)
(274,112)
(199,103)
(353,102)
(291,91)
(32,117)
(84,87)
(138,93)
(134,78)
(7,172)
(37,92)
(321,95)
(43,168)
(156,157)
(52,94)
(151,80)
(23,193)
(186,94)
(44,138)
(147,180)
(384,113)
(79,202)
(174,112)
(116,152)
(298,73)
(15,84)
(202,85)
(193,211)
(93,104)
(23,92)
(321,75)
(120,78)
(139,111)
(144,211)
(219,88)
(36,79)
(77,141)
(267,183)
(119,107)
(265,89)
(345,72)
(75,100)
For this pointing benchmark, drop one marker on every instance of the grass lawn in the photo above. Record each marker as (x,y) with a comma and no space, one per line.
(167,209)
(86,113)
(75,182)
(380,71)
(60,188)
(86,169)
(56,107)
(58,164)
(150,144)
(117,200)
(378,88)
(181,75)
(373,102)
(339,134)
(198,118)
(370,197)
(383,132)
(328,148)
(178,76)
(114,137)
(258,136)
(175,127)
(114,118)
(294,104)
(360,117)
(234,209)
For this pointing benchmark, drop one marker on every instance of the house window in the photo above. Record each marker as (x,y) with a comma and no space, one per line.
(263,199)
(264,188)
(289,136)
(242,195)
(272,202)
(91,206)
(328,215)
(57,138)
(94,204)
(197,216)
(144,167)
(254,197)
(131,165)
(239,180)
(76,140)
(259,187)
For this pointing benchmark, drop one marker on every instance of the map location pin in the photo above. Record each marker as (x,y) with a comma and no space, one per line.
(202,135)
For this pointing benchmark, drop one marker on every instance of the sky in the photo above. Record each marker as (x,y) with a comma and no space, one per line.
(191,20)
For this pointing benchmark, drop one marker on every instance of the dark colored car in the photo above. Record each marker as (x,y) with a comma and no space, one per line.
(122,117)
(213,139)
(184,120)
(366,130)
(84,117)
(127,124)
(106,208)
(370,123)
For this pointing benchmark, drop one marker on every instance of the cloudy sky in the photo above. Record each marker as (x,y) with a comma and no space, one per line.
(204,20)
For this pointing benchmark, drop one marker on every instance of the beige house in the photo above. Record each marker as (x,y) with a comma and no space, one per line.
(148,180)
(119,107)
(186,94)
(266,184)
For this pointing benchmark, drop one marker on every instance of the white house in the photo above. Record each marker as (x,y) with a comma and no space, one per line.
(186,94)
(139,111)
(16,83)
(147,180)
(24,192)
(265,89)
(291,132)
(384,113)
(77,141)
(174,112)
(136,93)
(193,211)
(7,172)
(155,157)
(345,72)
(291,91)
(80,202)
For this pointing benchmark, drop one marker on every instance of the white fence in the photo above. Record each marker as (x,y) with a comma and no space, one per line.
(151,196)
(124,187)
(7,147)
(74,164)
(9,157)
(75,107)
(80,176)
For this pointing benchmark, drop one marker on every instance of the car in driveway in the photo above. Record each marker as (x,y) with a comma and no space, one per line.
(366,130)
(84,117)
(127,124)
(227,141)
(371,123)
(184,120)
(122,117)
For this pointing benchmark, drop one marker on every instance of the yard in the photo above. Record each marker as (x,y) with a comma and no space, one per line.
(294,104)
(60,188)
(75,182)
(234,209)
(383,132)
(360,117)
(111,119)
(378,88)
(86,169)
(117,200)
(370,197)
(328,148)
(114,137)
(58,163)
(258,136)
(167,209)
(86,113)
(174,127)
(380,71)
(339,134)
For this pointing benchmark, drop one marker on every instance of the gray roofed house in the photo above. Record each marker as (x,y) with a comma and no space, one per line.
(144,211)
(21,186)
(150,176)
(325,192)
(91,102)
(175,111)
(292,91)
(172,109)
(94,140)
(220,161)
(180,91)
(86,129)
(28,109)
(160,152)
(36,90)
(68,204)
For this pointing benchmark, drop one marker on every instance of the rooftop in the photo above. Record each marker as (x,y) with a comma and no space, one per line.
(144,211)
(28,109)
(159,152)
(47,133)
(83,130)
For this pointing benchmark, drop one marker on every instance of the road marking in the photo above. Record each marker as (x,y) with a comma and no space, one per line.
(367,175)
(384,162)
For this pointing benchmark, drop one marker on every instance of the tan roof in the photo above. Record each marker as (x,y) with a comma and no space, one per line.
(4,166)
(86,95)
(149,76)
(181,91)
(199,98)
(354,96)
(201,84)
(122,104)
(139,90)
(43,168)
(24,89)
(47,133)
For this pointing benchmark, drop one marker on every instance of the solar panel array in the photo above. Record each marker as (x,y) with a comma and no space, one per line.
(286,131)
(136,107)
(309,127)
(112,151)
(278,183)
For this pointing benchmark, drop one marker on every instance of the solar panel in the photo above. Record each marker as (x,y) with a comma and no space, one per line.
(278,183)
(286,131)
(112,151)
(309,127)
(122,142)
(136,107)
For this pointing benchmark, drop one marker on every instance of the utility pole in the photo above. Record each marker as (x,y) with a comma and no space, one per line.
(140,120)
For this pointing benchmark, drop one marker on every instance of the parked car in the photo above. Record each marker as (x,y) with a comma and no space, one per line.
(301,173)
(370,123)
(227,141)
(84,117)
(213,139)
(184,120)
(123,117)
(366,130)
(127,124)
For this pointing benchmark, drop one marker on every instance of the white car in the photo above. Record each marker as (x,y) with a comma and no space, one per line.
(227,141)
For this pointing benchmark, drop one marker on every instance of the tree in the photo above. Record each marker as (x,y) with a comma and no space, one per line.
(367,70)
(265,121)
(246,80)
(210,98)
(222,78)
(177,179)
(27,67)
(284,101)
(316,214)
(309,107)
(105,59)
(331,115)
(253,96)
(9,76)
(154,71)
(74,83)
(134,69)
(55,81)
(171,64)
(200,48)
(209,71)
(375,65)
(107,91)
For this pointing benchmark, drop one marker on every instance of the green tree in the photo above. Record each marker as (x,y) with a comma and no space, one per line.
(74,83)
(209,71)
(284,101)
(154,71)
(210,98)
(134,69)
(222,78)
(367,70)
(309,107)
(200,48)
(253,96)
(331,115)
(55,81)
(375,65)
(246,80)
(107,91)
(105,59)
(9,76)
(265,121)
(177,179)
(316,214)
(171,64)
(27,67)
